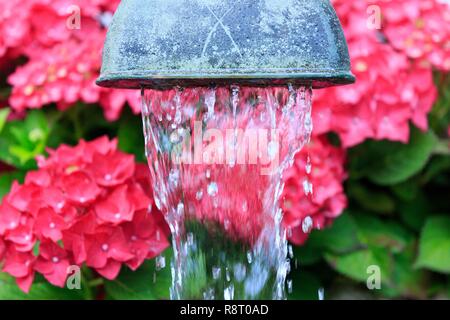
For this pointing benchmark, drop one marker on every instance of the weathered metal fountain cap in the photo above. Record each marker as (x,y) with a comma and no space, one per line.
(164,43)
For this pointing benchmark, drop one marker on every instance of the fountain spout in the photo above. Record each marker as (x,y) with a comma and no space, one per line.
(165,43)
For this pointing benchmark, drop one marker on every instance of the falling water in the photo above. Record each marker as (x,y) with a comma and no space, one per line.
(216,157)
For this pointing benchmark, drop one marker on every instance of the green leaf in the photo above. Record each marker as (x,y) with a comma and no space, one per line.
(131,137)
(21,141)
(341,237)
(40,290)
(143,284)
(406,280)
(389,163)
(308,253)
(406,160)
(354,265)
(3,117)
(6,180)
(434,245)
(413,213)
(438,165)
(371,199)
(408,190)
(388,235)
(305,286)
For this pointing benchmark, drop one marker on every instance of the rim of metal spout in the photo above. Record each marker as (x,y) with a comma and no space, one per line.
(137,80)
(164,43)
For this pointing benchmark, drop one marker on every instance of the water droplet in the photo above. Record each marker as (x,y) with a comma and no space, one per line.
(289,232)
(289,285)
(208,294)
(287,265)
(169,117)
(52,225)
(157,203)
(208,174)
(175,137)
(55,259)
(228,293)
(210,101)
(245,206)
(178,117)
(226,224)
(213,189)
(307,224)
(321,294)
(272,149)
(308,166)
(174,177)
(249,257)
(307,187)
(180,209)
(239,271)
(216,272)
(190,238)
(256,280)
(105,247)
(199,195)
(232,161)
(160,262)
(308,123)
(227,275)
(215,203)
(291,252)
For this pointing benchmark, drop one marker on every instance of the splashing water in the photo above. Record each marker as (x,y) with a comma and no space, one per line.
(216,157)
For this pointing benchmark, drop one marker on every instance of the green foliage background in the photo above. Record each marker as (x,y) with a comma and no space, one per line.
(398,216)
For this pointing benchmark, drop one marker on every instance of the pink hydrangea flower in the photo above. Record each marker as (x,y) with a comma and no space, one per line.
(421,29)
(63,63)
(391,89)
(80,208)
(328,200)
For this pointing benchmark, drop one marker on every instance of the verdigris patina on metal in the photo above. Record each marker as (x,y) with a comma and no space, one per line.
(164,43)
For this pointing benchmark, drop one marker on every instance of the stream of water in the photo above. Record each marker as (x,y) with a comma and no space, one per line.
(216,157)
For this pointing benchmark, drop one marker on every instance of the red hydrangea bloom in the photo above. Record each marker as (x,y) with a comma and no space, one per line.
(52,262)
(390,91)
(21,266)
(327,173)
(63,63)
(86,204)
(62,74)
(14,24)
(420,28)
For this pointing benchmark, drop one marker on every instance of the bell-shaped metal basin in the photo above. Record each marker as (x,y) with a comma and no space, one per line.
(165,43)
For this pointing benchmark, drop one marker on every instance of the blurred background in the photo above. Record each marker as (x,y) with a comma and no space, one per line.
(380,156)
